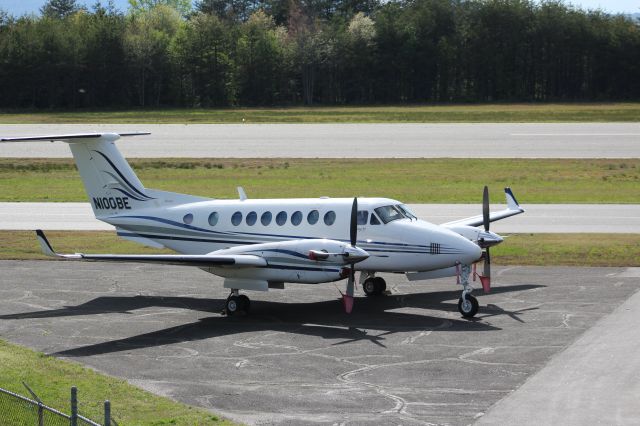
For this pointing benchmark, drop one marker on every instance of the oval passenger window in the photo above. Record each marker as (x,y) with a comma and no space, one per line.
(329,218)
(236,218)
(213,218)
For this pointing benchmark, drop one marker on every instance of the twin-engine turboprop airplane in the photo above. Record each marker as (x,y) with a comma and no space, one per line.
(261,244)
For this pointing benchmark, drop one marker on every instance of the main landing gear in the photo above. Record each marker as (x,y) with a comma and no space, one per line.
(237,302)
(467,304)
(374,286)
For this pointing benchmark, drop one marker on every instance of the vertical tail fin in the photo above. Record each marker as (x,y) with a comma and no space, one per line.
(110,183)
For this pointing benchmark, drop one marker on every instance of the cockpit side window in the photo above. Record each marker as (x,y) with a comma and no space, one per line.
(374,220)
(405,210)
(389,213)
(363,216)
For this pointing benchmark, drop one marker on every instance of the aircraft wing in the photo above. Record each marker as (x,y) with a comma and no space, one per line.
(513,208)
(204,260)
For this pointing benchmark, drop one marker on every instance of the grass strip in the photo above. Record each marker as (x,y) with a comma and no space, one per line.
(470,113)
(534,181)
(519,249)
(51,379)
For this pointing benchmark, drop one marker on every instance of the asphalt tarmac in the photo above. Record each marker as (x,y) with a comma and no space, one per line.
(406,358)
(404,140)
(545,218)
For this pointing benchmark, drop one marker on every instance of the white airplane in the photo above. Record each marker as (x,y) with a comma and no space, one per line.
(258,244)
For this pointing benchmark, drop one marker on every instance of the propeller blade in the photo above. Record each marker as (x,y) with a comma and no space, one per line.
(351,283)
(487,263)
(347,298)
(353,229)
(485,208)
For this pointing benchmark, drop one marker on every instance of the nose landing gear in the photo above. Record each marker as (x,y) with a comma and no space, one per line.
(467,304)
(237,302)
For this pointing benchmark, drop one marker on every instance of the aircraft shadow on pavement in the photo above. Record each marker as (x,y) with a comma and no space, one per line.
(324,319)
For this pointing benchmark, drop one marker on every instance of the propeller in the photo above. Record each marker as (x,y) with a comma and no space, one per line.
(347,298)
(486,222)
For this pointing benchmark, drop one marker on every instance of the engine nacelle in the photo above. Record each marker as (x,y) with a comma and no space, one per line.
(479,236)
(298,261)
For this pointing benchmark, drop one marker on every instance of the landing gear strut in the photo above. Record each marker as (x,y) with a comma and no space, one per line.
(374,286)
(467,304)
(237,303)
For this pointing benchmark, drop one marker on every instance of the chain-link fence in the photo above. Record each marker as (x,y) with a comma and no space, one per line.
(17,410)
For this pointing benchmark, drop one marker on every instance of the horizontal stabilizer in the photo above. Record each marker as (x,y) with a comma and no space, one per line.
(75,137)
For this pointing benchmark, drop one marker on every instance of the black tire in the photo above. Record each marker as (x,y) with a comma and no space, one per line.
(245,303)
(369,287)
(380,285)
(233,305)
(469,309)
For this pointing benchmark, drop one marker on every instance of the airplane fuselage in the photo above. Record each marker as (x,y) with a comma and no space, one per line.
(395,241)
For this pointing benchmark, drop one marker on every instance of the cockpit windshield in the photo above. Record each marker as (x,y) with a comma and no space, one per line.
(405,210)
(389,213)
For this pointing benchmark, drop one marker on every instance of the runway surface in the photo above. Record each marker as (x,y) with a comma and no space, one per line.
(407,358)
(538,218)
(406,140)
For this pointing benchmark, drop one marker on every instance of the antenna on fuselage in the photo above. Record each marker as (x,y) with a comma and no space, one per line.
(242,194)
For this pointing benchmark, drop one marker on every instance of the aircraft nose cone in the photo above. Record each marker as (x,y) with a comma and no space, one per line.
(469,251)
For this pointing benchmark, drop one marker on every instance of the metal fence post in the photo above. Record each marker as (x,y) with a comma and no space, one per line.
(107,413)
(74,406)
(40,405)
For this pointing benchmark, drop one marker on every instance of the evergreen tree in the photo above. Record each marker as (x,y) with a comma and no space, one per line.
(59,8)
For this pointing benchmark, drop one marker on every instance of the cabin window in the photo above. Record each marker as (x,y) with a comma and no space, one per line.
(329,217)
(313,217)
(213,218)
(389,213)
(296,218)
(188,218)
(252,217)
(374,220)
(236,218)
(281,218)
(362,216)
(265,219)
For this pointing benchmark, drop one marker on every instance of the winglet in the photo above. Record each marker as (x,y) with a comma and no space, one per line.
(44,244)
(512,203)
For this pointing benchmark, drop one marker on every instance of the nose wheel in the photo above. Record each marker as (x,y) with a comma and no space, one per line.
(237,303)
(468,306)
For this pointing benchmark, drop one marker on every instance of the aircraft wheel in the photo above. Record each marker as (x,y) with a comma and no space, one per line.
(369,287)
(245,303)
(233,305)
(469,307)
(380,285)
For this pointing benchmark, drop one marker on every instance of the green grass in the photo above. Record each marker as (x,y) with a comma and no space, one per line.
(621,250)
(51,379)
(518,249)
(408,180)
(580,112)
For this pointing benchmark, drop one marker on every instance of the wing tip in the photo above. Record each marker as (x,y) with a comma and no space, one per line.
(44,244)
(512,202)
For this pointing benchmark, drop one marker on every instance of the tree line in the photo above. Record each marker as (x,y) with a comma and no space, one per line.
(294,52)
